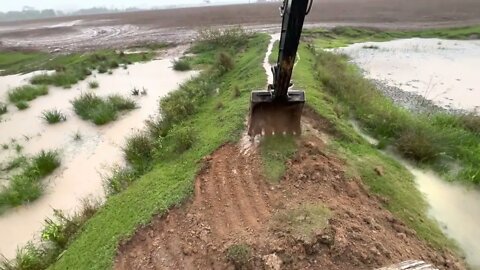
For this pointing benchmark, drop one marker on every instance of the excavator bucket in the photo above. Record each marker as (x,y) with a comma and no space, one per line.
(269,116)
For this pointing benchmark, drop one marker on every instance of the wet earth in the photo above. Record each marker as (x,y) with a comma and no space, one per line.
(82,33)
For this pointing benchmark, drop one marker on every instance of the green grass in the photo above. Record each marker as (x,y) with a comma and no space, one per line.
(27,186)
(435,140)
(22,105)
(56,235)
(26,93)
(170,179)
(397,185)
(3,108)
(181,65)
(18,62)
(273,57)
(275,151)
(101,110)
(93,84)
(240,255)
(344,36)
(15,163)
(53,116)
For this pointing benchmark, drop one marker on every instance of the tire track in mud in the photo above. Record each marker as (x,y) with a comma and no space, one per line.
(233,204)
(230,201)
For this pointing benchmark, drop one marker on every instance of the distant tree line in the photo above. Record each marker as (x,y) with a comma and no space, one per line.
(29,13)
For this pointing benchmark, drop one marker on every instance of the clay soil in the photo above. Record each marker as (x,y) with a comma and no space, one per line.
(80,33)
(234,204)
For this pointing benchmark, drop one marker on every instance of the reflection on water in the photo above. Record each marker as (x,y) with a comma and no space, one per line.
(455,206)
(83,161)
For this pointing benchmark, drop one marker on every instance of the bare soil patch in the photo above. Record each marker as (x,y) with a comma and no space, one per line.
(234,205)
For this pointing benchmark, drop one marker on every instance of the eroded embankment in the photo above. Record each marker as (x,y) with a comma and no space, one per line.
(236,208)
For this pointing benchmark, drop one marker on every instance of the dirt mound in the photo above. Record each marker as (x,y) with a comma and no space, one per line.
(316,218)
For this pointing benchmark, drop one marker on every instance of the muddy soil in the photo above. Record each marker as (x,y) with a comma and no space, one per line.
(234,204)
(79,33)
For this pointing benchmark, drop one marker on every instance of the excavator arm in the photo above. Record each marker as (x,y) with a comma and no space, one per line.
(278,110)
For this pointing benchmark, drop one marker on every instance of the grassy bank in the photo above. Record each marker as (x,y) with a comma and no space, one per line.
(396,185)
(440,141)
(168,179)
(343,36)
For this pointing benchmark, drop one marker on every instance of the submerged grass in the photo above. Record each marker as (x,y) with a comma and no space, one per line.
(26,186)
(22,105)
(169,180)
(344,36)
(57,234)
(99,110)
(53,116)
(69,69)
(93,84)
(181,65)
(26,93)
(3,108)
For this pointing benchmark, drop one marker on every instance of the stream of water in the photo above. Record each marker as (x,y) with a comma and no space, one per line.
(84,161)
(456,207)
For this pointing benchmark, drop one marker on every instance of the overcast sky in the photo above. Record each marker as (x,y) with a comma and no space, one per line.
(69,5)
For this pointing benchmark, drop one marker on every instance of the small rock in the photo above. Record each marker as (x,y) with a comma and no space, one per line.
(272,262)
(186,250)
(402,236)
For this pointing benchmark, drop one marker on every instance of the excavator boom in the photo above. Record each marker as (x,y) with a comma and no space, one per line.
(278,110)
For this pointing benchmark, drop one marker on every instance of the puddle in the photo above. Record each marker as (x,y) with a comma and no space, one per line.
(443,71)
(83,161)
(456,207)
(266,65)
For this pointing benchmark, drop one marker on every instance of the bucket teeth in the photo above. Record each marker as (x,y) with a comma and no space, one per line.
(269,117)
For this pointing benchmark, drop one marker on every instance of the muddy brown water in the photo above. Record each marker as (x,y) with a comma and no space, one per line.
(454,206)
(84,161)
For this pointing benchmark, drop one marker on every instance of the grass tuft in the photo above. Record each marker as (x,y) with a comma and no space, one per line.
(139,151)
(22,105)
(181,65)
(26,93)
(3,108)
(93,84)
(135,91)
(26,186)
(224,62)
(101,110)
(120,179)
(53,116)
(240,255)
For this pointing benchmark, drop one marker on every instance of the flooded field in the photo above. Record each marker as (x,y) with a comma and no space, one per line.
(442,71)
(83,160)
(454,206)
